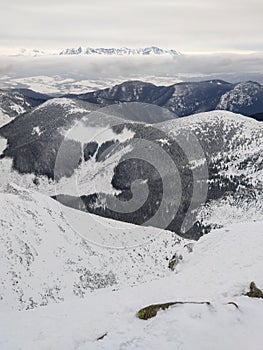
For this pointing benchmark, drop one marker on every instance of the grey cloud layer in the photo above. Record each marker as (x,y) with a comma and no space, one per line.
(186,67)
(181,24)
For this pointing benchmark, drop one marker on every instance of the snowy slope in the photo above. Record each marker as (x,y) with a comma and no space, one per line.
(91,161)
(233,145)
(219,270)
(232,148)
(14,102)
(35,137)
(245,98)
(50,253)
(4,118)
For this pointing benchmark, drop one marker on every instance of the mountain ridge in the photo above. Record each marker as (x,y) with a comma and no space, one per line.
(64,138)
(185,98)
(92,51)
(123,51)
(47,258)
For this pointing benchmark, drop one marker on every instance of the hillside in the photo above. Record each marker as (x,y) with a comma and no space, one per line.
(89,158)
(219,270)
(185,98)
(50,253)
(18,101)
(218,160)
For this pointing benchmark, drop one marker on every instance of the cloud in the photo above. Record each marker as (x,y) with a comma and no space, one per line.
(186,25)
(231,67)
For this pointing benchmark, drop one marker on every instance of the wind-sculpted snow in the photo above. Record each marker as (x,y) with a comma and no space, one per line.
(218,271)
(50,253)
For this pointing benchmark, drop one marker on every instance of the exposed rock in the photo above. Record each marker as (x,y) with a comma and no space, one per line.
(254,291)
(151,310)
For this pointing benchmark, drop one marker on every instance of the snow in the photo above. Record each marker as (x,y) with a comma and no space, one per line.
(18,109)
(50,253)
(219,270)
(123,51)
(3,144)
(246,142)
(12,104)
(76,84)
(243,94)
(212,117)
(68,277)
(88,178)
(244,147)
(36,131)
(70,105)
(92,176)
(84,134)
(152,50)
(4,118)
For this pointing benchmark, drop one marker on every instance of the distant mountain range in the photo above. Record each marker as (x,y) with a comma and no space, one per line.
(123,51)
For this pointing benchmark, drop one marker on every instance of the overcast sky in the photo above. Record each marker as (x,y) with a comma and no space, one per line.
(185,25)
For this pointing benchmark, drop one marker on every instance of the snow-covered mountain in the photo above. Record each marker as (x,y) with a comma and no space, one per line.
(50,253)
(15,102)
(123,51)
(35,137)
(73,280)
(39,133)
(232,146)
(245,98)
(80,154)
(31,52)
(218,271)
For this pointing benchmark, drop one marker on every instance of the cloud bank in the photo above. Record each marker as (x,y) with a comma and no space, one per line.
(230,67)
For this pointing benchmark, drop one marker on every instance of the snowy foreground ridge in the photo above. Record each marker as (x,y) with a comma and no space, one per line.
(218,270)
(50,253)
